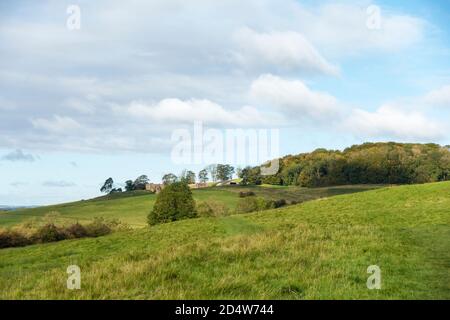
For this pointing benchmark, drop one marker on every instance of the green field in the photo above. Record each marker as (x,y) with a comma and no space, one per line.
(132,208)
(319,249)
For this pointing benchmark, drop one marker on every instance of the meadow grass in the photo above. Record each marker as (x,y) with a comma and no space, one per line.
(316,250)
(132,208)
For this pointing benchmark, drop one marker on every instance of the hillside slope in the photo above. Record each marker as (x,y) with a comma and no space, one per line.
(133,207)
(317,250)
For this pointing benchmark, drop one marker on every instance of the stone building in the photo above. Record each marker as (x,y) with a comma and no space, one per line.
(154,187)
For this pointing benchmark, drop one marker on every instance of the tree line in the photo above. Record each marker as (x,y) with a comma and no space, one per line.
(369,163)
(130,185)
(213,172)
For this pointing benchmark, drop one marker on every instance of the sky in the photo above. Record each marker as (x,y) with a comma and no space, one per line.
(91,90)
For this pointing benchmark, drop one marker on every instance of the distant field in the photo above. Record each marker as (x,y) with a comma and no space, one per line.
(133,208)
(316,250)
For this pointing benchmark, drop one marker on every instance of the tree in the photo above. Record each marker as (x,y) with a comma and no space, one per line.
(212,169)
(244,174)
(174,202)
(190,177)
(187,176)
(224,172)
(169,178)
(250,176)
(140,182)
(238,171)
(203,176)
(129,185)
(369,163)
(107,186)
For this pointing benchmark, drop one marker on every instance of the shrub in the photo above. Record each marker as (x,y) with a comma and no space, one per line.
(270,204)
(26,229)
(50,233)
(211,208)
(76,231)
(280,203)
(251,204)
(9,238)
(174,202)
(22,236)
(97,228)
(244,194)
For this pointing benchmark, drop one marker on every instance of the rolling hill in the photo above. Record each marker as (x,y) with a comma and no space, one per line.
(319,249)
(133,207)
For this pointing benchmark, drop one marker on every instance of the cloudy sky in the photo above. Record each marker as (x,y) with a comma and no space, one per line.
(80,105)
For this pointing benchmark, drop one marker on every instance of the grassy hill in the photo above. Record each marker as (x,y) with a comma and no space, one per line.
(133,207)
(316,250)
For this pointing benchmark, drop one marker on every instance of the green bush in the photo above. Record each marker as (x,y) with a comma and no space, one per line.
(99,227)
(50,233)
(174,202)
(22,236)
(250,204)
(280,203)
(9,238)
(76,231)
(212,208)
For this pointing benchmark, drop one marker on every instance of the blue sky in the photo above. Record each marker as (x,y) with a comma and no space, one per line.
(78,106)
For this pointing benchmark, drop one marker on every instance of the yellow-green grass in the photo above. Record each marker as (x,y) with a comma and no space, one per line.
(299,194)
(133,208)
(319,249)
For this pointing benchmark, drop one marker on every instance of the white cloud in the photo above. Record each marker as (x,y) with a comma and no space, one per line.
(57,124)
(342,29)
(66,82)
(390,121)
(439,97)
(85,106)
(176,111)
(287,50)
(294,98)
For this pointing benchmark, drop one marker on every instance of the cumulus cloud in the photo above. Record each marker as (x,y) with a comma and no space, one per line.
(58,184)
(288,50)
(176,111)
(84,106)
(439,97)
(56,124)
(343,28)
(391,121)
(64,83)
(18,155)
(293,97)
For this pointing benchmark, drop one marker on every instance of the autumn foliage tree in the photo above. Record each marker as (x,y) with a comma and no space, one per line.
(369,163)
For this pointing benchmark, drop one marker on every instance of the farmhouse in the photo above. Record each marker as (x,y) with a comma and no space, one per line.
(154,187)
